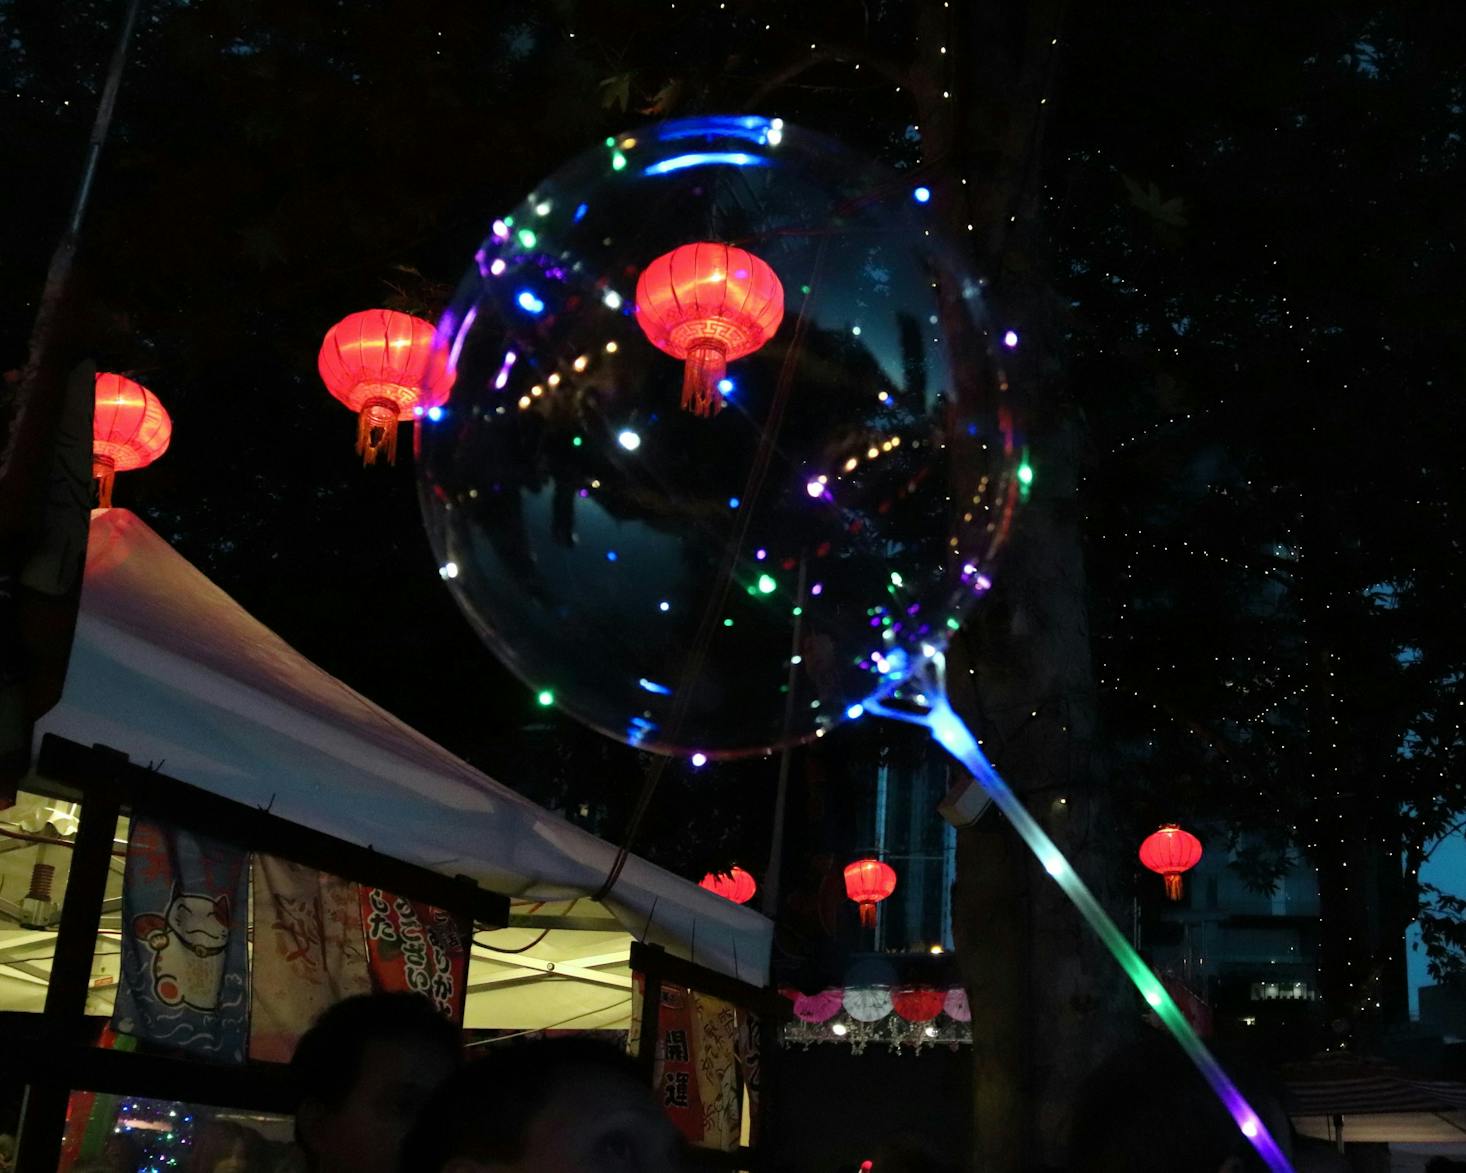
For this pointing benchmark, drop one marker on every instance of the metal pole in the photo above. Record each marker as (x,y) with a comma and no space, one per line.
(770,901)
(58,275)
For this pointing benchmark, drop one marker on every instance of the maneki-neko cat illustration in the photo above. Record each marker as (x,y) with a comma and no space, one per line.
(188,939)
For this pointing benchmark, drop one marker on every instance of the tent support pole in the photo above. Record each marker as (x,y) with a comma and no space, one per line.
(43,1123)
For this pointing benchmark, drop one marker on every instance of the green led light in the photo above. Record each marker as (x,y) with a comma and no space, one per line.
(797,611)
(1025,473)
(610,140)
(896,579)
(727,623)
(527,237)
(953,624)
(545,697)
(509,221)
(618,161)
(578,441)
(766,584)
(804,289)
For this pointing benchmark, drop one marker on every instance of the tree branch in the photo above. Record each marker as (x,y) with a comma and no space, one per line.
(885,66)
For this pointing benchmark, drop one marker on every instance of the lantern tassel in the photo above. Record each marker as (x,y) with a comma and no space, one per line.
(103,473)
(376,431)
(1173,886)
(706,366)
(867,915)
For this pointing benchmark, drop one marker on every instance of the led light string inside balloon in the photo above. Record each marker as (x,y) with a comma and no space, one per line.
(718,595)
(947,728)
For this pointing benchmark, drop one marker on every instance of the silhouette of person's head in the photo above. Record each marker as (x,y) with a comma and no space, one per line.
(565,1105)
(363,1071)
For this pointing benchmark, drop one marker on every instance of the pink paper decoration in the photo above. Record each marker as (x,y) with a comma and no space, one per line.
(819,1007)
(956,1007)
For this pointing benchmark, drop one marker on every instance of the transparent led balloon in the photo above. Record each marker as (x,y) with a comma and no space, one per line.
(716,499)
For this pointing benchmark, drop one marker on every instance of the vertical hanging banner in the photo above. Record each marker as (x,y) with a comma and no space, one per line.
(750,1067)
(674,1077)
(417,948)
(185,965)
(309,952)
(719,1079)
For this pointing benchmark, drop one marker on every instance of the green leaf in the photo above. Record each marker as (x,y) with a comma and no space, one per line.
(616,91)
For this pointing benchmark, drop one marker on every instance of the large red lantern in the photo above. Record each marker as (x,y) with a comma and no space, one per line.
(130,429)
(708,304)
(382,365)
(1171,852)
(736,885)
(868,882)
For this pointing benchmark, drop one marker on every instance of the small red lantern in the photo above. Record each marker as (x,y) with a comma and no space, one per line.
(382,365)
(708,304)
(1171,852)
(868,882)
(737,885)
(130,429)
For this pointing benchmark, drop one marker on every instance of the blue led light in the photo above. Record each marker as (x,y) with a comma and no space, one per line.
(653,686)
(854,711)
(435,414)
(580,213)
(747,126)
(529,302)
(611,555)
(734,502)
(703,159)
(922,194)
(725,386)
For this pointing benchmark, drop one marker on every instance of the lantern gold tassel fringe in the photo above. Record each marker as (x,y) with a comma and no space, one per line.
(1173,886)
(705,367)
(103,473)
(376,431)
(867,916)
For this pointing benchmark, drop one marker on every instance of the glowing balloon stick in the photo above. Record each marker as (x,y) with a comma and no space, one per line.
(938,716)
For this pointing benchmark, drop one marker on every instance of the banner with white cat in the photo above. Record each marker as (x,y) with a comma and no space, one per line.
(309,954)
(185,965)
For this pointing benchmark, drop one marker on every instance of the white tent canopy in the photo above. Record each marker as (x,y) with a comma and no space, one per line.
(170,670)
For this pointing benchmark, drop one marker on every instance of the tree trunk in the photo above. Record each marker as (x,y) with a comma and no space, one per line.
(1047,1001)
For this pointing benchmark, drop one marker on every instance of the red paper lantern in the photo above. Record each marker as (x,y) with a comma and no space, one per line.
(737,885)
(130,429)
(382,365)
(1171,852)
(708,304)
(918,1004)
(868,882)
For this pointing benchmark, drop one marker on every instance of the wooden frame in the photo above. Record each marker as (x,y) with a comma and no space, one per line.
(657,968)
(52,1052)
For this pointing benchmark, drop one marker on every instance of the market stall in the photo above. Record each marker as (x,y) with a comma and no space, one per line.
(181,706)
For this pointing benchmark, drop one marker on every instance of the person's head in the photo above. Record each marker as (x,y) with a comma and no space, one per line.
(363,1072)
(1147,1109)
(565,1105)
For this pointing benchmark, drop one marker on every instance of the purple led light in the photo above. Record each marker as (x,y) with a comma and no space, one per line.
(503,375)
(497,267)
(501,230)
(761,554)
(1010,339)
(814,489)
(817,589)
(460,338)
